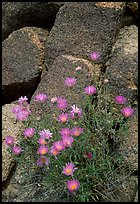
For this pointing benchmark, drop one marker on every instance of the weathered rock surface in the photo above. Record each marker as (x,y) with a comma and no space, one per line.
(126,190)
(23,62)
(122,68)
(133,7)
(13,128)
(52,82)
(16,15)
(83,27)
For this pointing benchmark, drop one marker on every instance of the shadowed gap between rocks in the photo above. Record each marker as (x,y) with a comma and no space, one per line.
(22,91)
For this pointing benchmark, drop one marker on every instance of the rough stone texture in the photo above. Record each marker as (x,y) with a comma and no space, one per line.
(16,15)
(83,27)
(122,68)
(136,197)
(52,82)
(133,7)
(129,147)
(22,62)
(13,128)
(126,191)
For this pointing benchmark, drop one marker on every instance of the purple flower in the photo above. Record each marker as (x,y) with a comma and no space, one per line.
(120,99)
(29,132)
(95,55)
(61,103)
(16,150)
(54,151)
(45,133)
(62,118)
(76,131)
(58,145)
(73,185)
(16,109)
(43,160)
(65,132)
(67,141)
(90,90)
(70,81)
(75,112)
(23,101)
(42,150)
(41,97)
(23,114)
(42,141)
(69,169)
(9,140)
(127,111)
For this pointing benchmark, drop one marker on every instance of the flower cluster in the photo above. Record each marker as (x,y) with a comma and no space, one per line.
(48,147)
(21,110)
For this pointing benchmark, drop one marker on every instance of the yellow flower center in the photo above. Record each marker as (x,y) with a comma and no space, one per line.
(68,171)
(73,187)
(63,119)
(43,160)
(43,151)
(77,133)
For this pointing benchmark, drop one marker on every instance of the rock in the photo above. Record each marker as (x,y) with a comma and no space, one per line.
(129,146)
(84,27)
(133,7)
(16,15)
(122,67)
(136,197)
(13,128)
(52,83)
(125,192)
(23,62)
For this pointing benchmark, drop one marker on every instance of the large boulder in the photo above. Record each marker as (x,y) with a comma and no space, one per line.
(23,62)
(16,15)
(122,67)
(52,83)
(9,127)
(83,27)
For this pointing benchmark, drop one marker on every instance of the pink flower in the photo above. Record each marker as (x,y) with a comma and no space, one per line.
(62,103)
(29,132)
(23,101)
(16,109)
(43,160)
(54,151)
(42,141)
(42,150)
(45,133)
(16,150)
(76,131)
(23,114)
(69,169)
(120,99)
(9,140)
(63,117)
(90,90)
(67,141)
(70,81)
(127,111)
(41,97)
(88,155)
(65,132)
(95,55)
(75,112)
(73,185)
(58,145)
(54,100)
(78,68)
